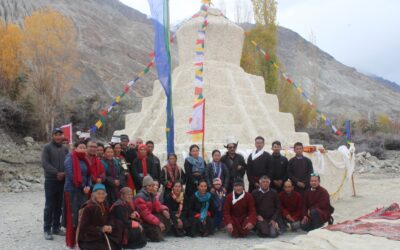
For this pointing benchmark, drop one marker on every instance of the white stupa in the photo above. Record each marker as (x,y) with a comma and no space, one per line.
(236,102)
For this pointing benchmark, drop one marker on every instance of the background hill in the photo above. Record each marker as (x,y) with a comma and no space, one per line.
(114,41)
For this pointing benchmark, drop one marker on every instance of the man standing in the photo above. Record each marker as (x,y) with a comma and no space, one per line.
(279,167)
(234,162)
(268,209)
(300,169)
(53,157)
(129,154)
(239,211)
(317,205)
(96,168)
(154,159)
(259,163)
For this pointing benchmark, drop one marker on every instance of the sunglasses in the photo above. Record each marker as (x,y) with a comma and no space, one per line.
(231,147)
(314,174)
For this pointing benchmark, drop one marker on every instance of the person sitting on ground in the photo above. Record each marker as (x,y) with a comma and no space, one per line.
(175,202)
(154,159)
(299,169)
(317,206)
(218,195)
(239,212)
(155,216)
(115,178)
(234,162)
(195,170)
(127,221)
(96,168)
(268,209)
(259,163)
(76,190)
(95,230)
(170,174)
(279,166)
(100,150)
(201,211)
(291,207)
(143,166)
(217,169)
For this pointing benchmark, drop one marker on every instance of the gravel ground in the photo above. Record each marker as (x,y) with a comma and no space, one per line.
(21,219)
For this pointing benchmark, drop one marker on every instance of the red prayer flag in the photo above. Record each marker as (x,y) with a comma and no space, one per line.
(267,57)
(67,130)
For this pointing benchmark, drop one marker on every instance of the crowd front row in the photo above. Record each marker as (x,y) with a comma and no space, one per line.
(112,199)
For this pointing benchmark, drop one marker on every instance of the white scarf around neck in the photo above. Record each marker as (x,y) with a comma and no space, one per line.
(255,155)
(234,200)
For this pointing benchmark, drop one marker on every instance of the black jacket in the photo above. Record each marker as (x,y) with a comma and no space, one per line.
(53,157)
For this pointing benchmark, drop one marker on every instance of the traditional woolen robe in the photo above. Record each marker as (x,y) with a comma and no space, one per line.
(258,164)
(240,213)
(137,171)
(279,166)
(300,170)
(90,236)
(193,211)
(114,172)
(267,204)
(319,199)
(129,232)
(291,204)
(170,175)
(191,179)
(236,168)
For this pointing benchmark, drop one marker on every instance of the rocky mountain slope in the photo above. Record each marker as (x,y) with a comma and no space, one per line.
(114,41)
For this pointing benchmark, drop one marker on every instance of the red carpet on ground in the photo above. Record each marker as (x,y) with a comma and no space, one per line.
(374,223)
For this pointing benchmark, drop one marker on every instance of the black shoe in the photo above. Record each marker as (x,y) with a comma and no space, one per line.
(48,236)
(59,232)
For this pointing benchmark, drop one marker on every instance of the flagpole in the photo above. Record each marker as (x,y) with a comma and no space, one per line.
(204,130)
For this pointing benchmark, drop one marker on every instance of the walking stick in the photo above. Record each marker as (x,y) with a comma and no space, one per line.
(108,242)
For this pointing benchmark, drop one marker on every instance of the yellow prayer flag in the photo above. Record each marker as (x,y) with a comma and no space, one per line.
(255,44)
(276,65)
(99,124)
(118,99)
(197,137)
(323,117)
(300,89)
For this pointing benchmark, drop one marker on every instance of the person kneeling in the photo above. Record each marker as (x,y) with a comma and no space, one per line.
(126,220)
(155,215)
(94,229)
(267,207)
(291,206)
(317,205)
(239,212)
(201,211)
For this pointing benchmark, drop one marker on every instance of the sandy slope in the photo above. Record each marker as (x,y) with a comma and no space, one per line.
(21,223)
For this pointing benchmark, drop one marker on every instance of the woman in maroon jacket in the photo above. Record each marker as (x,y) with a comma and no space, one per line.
(155,216)
(95,231)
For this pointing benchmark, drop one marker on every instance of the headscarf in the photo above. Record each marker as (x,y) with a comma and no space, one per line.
(217,169)
(197,163)
(178,199)
(76,167)
(205,203)
(143,158)
(173,172)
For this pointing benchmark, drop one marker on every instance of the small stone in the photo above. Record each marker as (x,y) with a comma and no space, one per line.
(29,139)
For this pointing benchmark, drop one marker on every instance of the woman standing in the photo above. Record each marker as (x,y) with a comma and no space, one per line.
(115,177)
(143,166)
(217,169)
(95,231)
(195,170)
(175,203)
(201,211)
(76,189)
(170,174)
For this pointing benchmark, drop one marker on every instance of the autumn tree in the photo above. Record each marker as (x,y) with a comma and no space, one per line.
(10,58)
(50,58)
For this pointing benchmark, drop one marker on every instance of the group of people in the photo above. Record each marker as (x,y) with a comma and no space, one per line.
(119,197)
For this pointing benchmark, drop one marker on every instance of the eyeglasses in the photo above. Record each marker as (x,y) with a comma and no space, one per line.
(231,147)
(314,174)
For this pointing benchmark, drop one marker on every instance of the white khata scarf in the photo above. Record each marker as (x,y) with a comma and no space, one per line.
(255,155)
(234,200)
